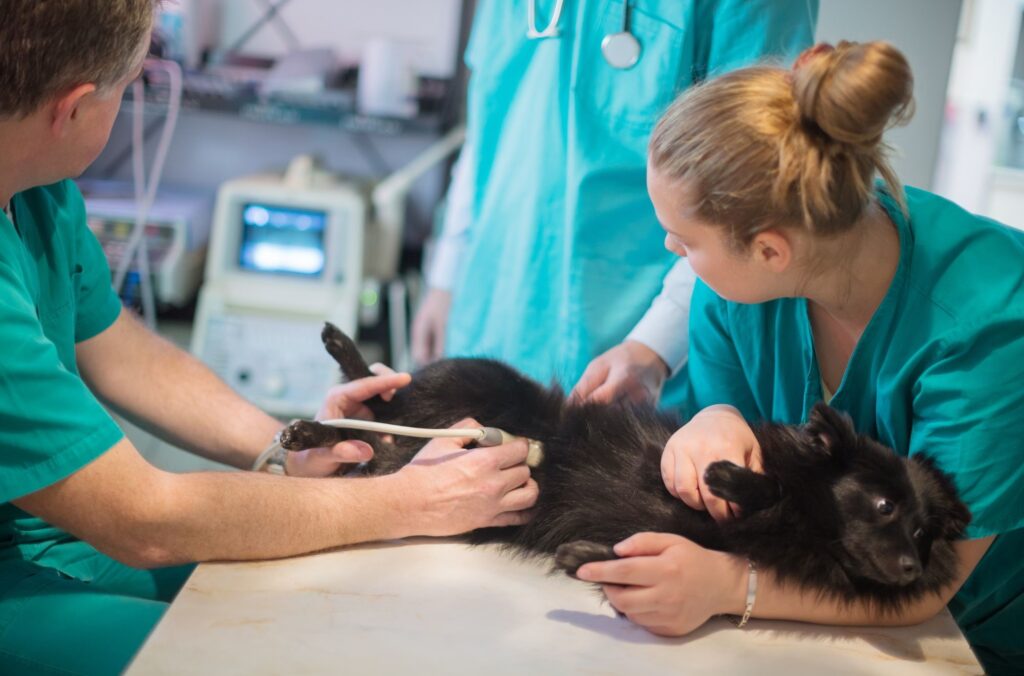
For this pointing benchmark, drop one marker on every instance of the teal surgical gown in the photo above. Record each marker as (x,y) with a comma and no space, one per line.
(938,370)
(564,253)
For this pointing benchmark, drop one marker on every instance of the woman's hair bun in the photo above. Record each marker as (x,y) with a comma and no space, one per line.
(854,92)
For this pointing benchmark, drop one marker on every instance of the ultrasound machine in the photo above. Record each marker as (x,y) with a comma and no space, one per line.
(287,253)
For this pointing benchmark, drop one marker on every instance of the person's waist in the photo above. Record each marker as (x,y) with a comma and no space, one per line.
(18,527)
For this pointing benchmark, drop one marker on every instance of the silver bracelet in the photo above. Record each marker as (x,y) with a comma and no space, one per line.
(751,595)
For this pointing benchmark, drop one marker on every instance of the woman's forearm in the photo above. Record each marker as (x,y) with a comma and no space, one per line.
(779,601)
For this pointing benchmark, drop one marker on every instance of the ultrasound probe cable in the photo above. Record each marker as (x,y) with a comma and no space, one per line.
(484,436)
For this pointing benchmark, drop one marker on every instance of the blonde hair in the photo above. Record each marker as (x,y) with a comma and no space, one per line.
(765,147)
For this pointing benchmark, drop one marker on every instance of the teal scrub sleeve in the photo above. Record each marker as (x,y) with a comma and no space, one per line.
(714,371)
(50,423)
(745,32)
(97,305)
(968,409)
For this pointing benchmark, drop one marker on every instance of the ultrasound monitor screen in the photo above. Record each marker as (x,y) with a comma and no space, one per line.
(282,240)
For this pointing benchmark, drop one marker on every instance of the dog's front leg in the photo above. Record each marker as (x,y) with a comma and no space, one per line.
(303,434)
(750,490)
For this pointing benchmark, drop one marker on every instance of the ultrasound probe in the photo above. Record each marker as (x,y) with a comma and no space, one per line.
(484,436)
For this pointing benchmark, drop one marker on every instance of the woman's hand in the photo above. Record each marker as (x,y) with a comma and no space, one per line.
(630,370)
(716,433)
(346,401)
(429,326)
(668,584)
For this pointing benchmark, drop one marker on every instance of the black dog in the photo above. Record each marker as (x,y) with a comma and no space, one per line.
(833,512)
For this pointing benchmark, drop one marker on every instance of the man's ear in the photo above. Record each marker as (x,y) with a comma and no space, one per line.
(773,249)
(66,107)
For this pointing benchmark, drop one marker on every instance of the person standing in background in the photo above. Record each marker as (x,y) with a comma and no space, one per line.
(551,252)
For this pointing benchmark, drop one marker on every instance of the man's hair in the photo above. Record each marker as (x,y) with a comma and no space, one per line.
(47,46)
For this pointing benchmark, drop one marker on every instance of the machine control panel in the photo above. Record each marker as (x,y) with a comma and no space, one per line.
(278,364)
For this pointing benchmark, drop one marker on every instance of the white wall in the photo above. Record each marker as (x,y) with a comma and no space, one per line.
(979,118)
(430,28)
(925,31)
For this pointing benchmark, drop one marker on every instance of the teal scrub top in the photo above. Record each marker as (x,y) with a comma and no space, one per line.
(938,370)
(55,291)
(564,252)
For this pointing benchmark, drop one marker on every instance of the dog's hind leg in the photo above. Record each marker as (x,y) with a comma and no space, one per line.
(571,555)
(303,434)
(345,352)
(750,490)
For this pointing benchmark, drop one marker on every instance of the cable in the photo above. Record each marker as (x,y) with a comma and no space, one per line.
(145,192)
(484,436)
(478,433)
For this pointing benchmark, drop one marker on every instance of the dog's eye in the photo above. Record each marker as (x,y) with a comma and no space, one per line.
(885,508)
(919,533)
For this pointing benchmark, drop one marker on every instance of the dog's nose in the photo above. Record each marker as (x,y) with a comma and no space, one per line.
(910,569)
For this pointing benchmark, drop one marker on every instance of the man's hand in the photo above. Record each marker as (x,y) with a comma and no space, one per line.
(668,584)
(630,371)
(429,326)
(459,489)
(716,433)
(346,401)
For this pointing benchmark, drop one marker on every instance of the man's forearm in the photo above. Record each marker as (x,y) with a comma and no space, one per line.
(199,412)
(145,517)
(171,393)
(264,516)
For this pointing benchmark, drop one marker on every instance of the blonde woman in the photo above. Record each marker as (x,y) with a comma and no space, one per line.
(816,283)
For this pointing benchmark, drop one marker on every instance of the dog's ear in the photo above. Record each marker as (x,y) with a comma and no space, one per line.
(948,517)
(831,430)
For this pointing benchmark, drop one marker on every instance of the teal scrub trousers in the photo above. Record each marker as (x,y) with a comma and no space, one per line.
(88,615)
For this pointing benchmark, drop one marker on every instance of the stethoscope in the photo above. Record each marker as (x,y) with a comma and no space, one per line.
(621,50)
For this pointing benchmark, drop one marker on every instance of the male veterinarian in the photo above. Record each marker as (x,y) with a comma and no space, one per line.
(92,537)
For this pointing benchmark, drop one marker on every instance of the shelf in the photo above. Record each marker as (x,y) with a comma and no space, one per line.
(333,107)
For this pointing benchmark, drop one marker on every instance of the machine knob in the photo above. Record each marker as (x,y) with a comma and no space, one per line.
(275,384)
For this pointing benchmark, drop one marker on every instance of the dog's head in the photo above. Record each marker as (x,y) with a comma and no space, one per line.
(892,511)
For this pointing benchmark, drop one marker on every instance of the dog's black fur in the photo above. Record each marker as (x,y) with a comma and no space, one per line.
(833,511)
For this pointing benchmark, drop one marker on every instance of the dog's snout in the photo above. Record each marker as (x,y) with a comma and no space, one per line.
(909,569)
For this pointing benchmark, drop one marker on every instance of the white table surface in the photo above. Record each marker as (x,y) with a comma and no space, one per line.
(442,607)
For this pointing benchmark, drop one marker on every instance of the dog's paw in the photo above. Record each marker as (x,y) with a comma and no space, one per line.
(332,334)
(571,555)
(302,434)
(725,480)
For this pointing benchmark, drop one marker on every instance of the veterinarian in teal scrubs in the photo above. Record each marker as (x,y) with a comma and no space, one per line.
(938,370)
(46,575)
(559,253)
(92,536)
(905,312)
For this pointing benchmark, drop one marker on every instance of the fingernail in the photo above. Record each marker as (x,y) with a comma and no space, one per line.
(583,573)
(621,549)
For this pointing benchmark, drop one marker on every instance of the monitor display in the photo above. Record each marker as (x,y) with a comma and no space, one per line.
(282,240)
